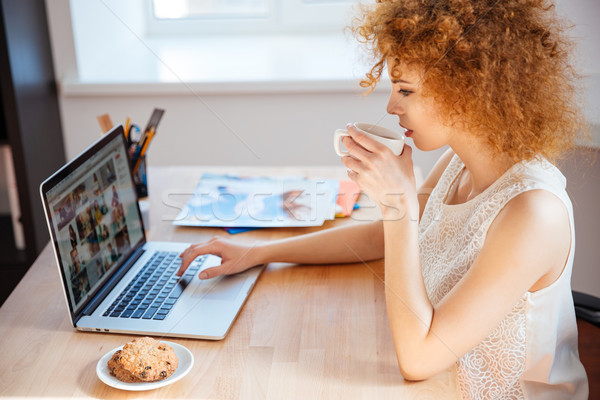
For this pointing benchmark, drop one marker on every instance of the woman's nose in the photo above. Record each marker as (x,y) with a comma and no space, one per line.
(393,106)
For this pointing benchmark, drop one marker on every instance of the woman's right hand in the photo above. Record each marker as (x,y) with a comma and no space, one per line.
(235,257)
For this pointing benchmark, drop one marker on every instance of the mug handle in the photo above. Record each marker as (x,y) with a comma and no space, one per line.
(337,136)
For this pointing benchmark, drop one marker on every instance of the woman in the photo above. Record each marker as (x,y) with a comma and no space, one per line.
(478,259)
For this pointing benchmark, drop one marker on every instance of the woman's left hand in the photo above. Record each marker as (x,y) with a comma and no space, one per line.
(387,179)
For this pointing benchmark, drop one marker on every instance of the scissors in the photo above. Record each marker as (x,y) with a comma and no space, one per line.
(133,130)
(132,142)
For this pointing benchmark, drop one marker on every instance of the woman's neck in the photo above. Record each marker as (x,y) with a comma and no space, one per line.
(483,167)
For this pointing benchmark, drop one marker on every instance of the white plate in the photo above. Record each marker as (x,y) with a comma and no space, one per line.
(186,362)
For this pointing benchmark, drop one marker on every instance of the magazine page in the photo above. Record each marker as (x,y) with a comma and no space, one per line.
(234,201)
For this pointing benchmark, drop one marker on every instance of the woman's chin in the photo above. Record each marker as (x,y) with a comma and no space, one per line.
(425,146)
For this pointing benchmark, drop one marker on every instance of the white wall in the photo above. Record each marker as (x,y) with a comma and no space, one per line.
(261,129)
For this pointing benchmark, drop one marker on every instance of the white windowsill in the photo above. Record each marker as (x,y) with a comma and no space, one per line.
(78,88)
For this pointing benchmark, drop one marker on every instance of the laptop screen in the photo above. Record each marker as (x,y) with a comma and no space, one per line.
(93,213)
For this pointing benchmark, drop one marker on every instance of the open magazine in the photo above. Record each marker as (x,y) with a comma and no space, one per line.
(233,201)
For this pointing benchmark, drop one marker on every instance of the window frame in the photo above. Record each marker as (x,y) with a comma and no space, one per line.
(285,16)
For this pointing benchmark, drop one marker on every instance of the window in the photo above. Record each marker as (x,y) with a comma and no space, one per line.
(247,16)
(120,41)
(181,9)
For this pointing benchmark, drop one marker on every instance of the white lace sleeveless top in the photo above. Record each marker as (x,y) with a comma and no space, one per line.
(532,353)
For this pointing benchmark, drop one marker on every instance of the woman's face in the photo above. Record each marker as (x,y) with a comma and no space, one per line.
(417,114)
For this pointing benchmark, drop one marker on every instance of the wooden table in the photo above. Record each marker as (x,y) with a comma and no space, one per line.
(306,332)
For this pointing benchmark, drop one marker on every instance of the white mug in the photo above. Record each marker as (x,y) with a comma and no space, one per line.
(393,140)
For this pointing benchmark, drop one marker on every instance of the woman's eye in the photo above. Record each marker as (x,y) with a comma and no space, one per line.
(405,92)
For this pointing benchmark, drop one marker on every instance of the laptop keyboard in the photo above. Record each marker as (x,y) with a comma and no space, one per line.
(155,289)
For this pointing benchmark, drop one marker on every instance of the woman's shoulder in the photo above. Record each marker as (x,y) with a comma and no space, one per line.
(532,193)
(540,221)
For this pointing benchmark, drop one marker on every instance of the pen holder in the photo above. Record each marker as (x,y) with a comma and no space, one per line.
(140,179)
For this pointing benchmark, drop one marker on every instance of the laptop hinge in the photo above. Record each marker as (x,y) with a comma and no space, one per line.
(97,299)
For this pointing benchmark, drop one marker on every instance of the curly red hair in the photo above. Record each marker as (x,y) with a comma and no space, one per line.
(502,67)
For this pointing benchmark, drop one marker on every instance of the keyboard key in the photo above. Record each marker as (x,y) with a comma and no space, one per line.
(150,313)
(177,290)
(160,317)
(138,313)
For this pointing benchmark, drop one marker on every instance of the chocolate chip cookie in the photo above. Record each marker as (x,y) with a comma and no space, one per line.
(143,360)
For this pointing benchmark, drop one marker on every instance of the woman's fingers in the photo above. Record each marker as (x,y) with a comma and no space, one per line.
(364,140)
(192,252)
(354,148)
(226,268)
(351,163)
(196,246)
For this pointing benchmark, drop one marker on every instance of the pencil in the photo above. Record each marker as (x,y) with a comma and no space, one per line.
(127,122)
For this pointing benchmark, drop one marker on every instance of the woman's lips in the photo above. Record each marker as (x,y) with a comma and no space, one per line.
(408,132)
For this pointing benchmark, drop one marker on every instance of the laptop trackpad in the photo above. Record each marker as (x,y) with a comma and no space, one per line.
(220,288)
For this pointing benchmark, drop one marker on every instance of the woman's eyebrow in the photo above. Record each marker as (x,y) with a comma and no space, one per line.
(401,81)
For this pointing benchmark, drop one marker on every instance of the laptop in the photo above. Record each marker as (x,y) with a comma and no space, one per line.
(113,279)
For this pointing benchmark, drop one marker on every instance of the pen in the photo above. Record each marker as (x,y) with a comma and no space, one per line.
(141,142)
(142,151)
